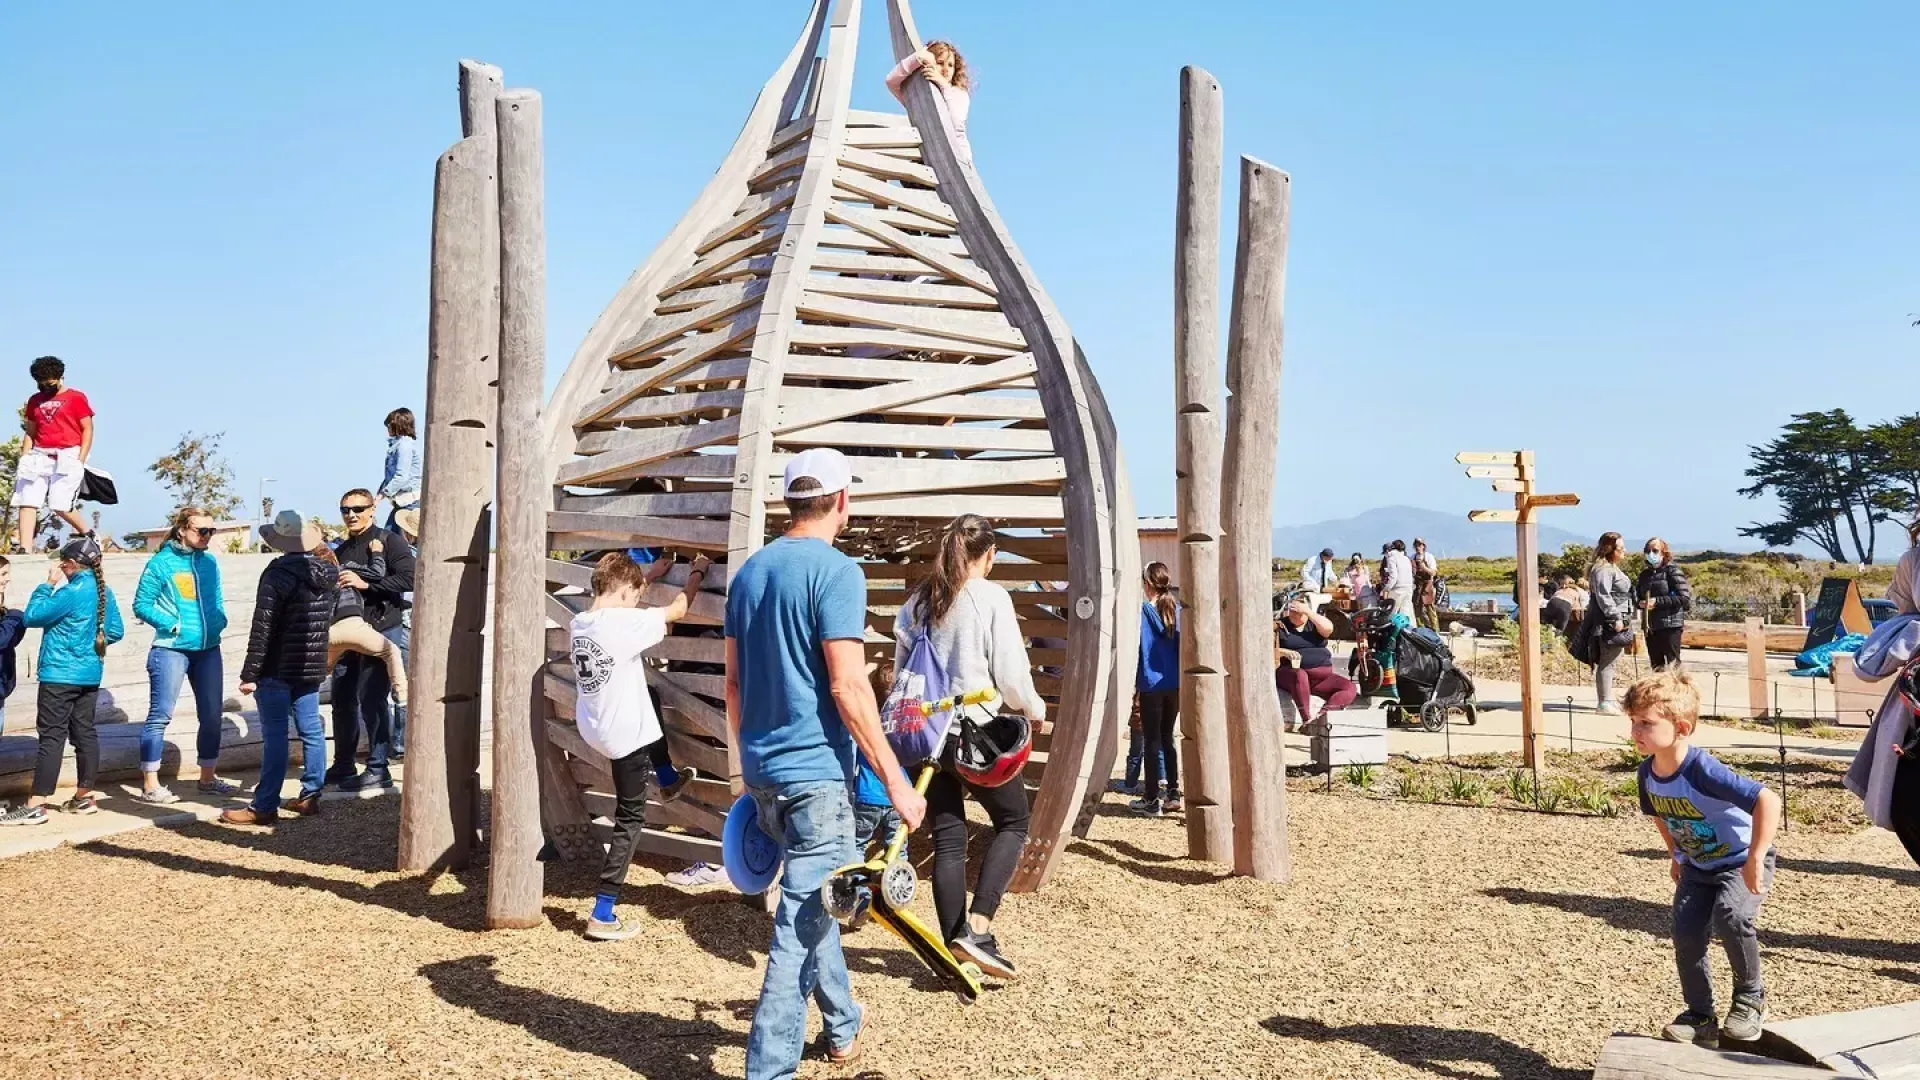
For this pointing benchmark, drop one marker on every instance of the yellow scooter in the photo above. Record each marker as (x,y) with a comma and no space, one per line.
(890,879)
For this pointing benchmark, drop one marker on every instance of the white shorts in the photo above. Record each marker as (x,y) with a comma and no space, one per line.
(48,479)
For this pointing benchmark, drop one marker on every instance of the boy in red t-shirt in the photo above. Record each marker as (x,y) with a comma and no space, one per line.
(59,436)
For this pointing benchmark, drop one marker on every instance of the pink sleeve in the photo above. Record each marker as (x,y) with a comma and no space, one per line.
(897,78)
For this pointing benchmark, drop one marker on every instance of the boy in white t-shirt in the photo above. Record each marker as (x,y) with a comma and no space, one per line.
(615,713)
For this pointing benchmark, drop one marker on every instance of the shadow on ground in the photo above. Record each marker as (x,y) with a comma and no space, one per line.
(1194,874)
(1840,868)
(1434,1050)
(653,1046)
(1656,920)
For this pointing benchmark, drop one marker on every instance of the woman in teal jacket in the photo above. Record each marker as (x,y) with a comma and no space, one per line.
(80,618)
(179,596)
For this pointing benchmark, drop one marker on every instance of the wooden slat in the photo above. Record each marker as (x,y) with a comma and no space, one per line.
(883,138)
(788,158)
(946,507)
(733,296)
(881,193)
(953,406)
(617,451)
(697,650)
(854,262)
(920,437)
(885,167)
(840,238)
(918,248)
(676,693)
(902,292)
(641,529)
(1003,570)
(729,370)
(907,219)
(792,133)
(859,118)
(673,369)
(561,572)
(676,846)
(676,504)
(860,368)
(687,750)
(670,406)
(815,335)
(979,327)
(940,381)
(736,258)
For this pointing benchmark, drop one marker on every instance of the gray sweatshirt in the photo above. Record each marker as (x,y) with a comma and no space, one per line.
(1612,593)
(978,643)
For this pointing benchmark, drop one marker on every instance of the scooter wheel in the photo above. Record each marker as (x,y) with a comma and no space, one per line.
(899,883)
(1472,713)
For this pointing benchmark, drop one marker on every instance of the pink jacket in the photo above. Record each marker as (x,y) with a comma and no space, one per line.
(958,102)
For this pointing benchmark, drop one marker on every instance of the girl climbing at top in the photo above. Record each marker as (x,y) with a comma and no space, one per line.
(943,66)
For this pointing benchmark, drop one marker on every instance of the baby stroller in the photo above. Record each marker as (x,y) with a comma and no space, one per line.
(1429,683)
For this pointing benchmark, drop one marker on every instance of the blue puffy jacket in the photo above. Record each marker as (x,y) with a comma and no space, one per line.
(179,596)
(67,614)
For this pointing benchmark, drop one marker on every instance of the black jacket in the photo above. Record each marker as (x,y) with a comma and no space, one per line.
(291,614)
(1672,597)
(13,627)
(385,598)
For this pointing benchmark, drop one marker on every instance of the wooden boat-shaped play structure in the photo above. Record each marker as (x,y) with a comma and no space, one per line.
(843,280)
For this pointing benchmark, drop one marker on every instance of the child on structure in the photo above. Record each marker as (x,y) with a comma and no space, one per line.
(1719,828)
(80,618)
(943,66)
(351,632)
(400,479)
(53,457)
(617,717)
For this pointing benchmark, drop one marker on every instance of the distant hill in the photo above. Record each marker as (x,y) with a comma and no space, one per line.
(1449,536)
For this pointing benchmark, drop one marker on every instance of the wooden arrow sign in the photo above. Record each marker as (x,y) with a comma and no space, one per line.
(1494,472)
(1488,457)
(1494,516)
(1509,485)
(1568,499)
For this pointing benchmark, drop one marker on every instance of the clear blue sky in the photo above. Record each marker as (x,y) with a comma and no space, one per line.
(1633,238)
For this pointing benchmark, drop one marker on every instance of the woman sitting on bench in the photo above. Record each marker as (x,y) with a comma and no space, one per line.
(1306,670)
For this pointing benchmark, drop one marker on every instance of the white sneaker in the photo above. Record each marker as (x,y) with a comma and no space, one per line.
(700,873)
(159,796)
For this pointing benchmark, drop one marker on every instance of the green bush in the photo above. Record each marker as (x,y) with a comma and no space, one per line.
(1360,775)
(1520,786)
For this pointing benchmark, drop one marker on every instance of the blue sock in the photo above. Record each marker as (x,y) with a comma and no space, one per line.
(603,906)
(666,775)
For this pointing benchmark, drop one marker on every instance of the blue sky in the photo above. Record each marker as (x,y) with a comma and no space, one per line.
(1633,238)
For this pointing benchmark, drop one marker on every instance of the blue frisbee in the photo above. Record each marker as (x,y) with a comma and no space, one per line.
(751,857)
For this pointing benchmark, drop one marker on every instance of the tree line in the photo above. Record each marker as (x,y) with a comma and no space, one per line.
(1835,480)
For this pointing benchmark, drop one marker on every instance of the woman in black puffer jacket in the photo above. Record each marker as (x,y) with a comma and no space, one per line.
(1663,593)
(286,662)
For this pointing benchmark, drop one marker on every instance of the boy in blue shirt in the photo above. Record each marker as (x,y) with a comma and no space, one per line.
(1719,828)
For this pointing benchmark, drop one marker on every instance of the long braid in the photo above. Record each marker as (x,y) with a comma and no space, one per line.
(99,611)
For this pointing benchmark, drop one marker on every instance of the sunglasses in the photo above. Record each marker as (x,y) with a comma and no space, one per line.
(201,533)
(355,511)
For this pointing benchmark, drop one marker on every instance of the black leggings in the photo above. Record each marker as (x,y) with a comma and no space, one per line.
(630,776)
(1905,808)
(1663,647)
(1006,807)
(65,712)
(1160,723)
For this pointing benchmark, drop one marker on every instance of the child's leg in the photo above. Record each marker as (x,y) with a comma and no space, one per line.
(629,815)
(1694,900)
(358,635)
(1733,914)
(1136,743)
(55,711)
(86,740)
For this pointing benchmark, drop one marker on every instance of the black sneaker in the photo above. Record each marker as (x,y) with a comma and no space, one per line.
(1744,1020)
(984,951)
(1145,807)
(340,774)
(367,781)
(1692,1027)
(80,804)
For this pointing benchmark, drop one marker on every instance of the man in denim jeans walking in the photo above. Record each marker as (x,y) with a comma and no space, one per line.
(798,702)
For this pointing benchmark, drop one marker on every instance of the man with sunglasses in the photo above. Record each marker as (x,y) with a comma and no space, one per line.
(360,684)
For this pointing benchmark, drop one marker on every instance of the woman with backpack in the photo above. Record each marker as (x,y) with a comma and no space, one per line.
(1666,597)
(1610,616)
(80,618)
(961,628)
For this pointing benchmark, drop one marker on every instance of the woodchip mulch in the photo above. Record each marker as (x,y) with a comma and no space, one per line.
(1416,940)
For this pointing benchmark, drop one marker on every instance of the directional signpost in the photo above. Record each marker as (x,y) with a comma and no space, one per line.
(1512,471)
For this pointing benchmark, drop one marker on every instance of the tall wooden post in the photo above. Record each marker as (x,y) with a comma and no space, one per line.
(1526,549)
(439,802)
(1253,443)
(515,879)
(1196,376)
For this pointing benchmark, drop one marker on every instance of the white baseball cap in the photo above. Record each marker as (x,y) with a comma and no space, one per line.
(823,465)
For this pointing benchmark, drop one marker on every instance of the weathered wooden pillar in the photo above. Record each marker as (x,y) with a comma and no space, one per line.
(515,876)
(1196,377)
(438,802)
(1253,412)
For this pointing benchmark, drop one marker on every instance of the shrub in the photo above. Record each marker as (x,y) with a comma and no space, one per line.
(1626,755)
(1410,785)
(1520,786)
(1360,775)
(1466,787)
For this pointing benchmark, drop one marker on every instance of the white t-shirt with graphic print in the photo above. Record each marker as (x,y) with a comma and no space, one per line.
(611,706)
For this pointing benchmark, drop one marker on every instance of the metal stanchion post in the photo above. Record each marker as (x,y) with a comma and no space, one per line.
(1780,733)
(1569,723)
(1716,694)
(1534,738)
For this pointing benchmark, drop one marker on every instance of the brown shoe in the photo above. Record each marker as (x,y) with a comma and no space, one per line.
(247,815)
(303,806)
(851,1053)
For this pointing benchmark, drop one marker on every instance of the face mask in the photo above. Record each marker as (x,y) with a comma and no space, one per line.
(1653,558)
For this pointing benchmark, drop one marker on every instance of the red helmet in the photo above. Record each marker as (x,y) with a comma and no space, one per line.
(993,751)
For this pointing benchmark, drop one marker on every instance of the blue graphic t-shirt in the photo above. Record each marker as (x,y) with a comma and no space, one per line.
(784,604)
(1706,806)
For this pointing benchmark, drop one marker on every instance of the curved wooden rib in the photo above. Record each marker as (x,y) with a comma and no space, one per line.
(587,371)
(1098,583)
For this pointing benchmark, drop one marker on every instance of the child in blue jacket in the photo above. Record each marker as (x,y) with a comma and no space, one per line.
(80,618)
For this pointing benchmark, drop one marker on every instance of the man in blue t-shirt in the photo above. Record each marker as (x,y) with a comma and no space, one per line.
(798,703)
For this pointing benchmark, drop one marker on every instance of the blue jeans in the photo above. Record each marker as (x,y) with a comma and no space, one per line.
(1137,756)
(280,703)
(360,695)
(166,670)
(401,635)
(814,823)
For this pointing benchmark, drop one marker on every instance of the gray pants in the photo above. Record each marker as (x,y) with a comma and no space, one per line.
(1604,659)
(1716,902)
